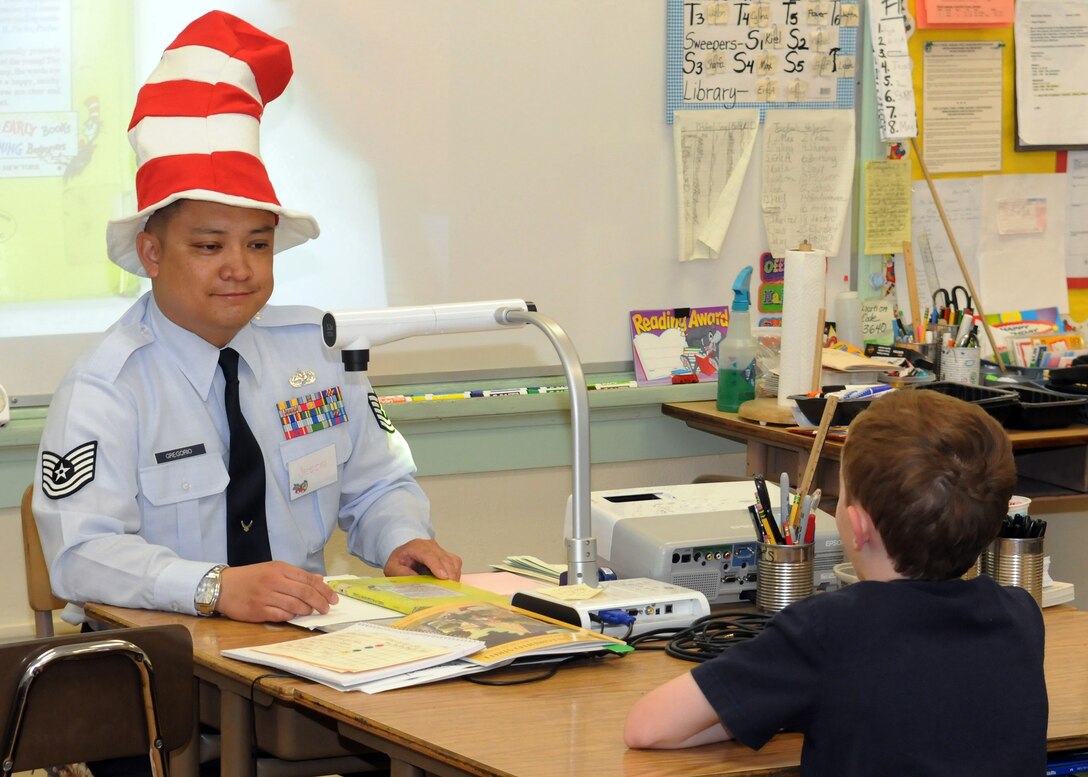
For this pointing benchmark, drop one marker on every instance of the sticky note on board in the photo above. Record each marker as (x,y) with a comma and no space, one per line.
(876,322)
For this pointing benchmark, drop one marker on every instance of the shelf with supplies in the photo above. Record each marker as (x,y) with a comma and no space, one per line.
(1051,464)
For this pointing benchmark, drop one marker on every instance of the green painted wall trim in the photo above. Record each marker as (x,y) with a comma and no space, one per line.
(494,434)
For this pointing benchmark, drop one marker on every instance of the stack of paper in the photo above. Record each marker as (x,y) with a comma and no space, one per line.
(360,653)
(531,566)
(1057,593)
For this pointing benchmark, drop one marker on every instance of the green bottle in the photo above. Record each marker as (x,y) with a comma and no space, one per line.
(737,353)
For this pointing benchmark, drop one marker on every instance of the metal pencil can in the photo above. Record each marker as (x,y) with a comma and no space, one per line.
(784,575)
(1017,562)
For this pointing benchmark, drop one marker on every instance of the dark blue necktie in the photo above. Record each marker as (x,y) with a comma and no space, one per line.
(247,530)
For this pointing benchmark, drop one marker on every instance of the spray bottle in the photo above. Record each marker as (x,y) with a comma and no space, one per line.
(737,353)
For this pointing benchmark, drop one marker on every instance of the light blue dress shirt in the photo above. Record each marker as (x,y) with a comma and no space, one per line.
(131,501)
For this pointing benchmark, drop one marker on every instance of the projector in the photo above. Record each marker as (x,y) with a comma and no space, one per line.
(698,536)
(646,604)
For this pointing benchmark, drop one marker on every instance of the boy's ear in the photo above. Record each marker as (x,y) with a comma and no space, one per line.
(149,250)
(861,525)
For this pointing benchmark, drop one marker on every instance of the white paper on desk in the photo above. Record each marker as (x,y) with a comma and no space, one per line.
(1008,281)
(344,612)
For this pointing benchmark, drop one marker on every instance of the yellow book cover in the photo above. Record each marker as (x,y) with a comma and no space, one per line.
(410,593)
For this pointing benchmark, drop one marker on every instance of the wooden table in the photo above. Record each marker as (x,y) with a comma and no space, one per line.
(571,724)
(1051,464)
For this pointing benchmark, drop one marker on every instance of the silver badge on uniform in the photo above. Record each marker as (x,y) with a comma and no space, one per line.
(302,378)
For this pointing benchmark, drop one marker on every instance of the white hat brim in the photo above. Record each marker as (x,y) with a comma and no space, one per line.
(293,227)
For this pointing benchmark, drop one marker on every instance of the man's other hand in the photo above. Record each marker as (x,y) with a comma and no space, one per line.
(423,557)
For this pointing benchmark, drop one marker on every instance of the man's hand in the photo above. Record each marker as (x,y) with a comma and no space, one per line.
(423,557)
(272,591)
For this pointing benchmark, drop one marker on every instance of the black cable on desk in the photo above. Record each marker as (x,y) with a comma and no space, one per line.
(706,637)
(553,666)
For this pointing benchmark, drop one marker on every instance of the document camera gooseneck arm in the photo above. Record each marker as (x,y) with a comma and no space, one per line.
(354,332)
(581,546)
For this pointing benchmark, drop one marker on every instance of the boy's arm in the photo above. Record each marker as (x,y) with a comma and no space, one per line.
(674,715)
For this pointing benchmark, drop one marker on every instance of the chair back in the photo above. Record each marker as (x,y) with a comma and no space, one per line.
(38,589)
(98,695)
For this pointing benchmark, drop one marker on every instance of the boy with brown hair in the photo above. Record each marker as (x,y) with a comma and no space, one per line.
(912,670)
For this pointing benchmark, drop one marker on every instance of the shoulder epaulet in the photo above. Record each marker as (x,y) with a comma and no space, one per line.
(109,356)
(287,315)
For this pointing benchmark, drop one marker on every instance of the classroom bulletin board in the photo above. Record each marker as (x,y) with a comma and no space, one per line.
(1013,161)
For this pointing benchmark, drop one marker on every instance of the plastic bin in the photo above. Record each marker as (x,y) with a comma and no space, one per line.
(1040,408)
(845,412)
(999,403)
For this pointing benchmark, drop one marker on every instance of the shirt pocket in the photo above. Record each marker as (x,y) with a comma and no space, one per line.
(175,492)
(317,509)
(300,447)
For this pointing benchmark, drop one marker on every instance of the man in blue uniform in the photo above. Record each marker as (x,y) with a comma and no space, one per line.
(200,457)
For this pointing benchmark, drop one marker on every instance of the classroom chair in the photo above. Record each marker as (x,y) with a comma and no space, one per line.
(94,696)
(293,745)
(38,590)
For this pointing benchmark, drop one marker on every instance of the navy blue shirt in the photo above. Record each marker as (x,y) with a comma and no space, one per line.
(904,678)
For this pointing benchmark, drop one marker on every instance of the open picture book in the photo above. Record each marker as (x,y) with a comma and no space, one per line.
(430,644)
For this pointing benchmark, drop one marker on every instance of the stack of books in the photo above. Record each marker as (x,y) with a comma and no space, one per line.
(450,629)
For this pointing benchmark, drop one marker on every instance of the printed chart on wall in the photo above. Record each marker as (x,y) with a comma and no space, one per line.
(786,54)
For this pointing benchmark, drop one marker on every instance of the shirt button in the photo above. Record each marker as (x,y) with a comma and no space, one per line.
(185,486)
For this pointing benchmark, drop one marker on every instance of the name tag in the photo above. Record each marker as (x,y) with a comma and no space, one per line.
(312,471)
(163,457)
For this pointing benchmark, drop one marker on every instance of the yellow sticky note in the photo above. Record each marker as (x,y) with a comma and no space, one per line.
(570,593)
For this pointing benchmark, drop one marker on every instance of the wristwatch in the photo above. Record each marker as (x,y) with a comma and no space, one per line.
(207,591)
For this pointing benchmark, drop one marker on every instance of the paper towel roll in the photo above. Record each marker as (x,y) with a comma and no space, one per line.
(802,298)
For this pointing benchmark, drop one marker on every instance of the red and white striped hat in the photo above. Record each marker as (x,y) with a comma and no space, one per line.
(196,130)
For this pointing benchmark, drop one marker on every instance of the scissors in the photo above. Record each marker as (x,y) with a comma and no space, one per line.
(945,299)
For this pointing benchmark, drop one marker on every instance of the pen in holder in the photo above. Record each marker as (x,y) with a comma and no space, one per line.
(784,575)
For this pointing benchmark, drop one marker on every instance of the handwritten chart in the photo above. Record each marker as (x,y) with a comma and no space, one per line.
(808,164)
(753,54)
